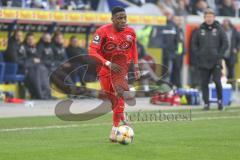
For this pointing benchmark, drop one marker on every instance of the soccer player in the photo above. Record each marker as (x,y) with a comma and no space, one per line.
(111,43)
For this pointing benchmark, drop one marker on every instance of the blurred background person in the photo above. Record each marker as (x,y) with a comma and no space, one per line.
(36,72)
(179,53)
(45,49)
(210,43)
(227,8)
(13,47)
(199,7)
(230,56)
(58,49)
(169,45)
(74,50)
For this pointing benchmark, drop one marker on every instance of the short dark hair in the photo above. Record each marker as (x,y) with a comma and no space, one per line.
(117,9)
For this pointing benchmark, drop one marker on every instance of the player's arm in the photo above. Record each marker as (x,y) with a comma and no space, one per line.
(95,49)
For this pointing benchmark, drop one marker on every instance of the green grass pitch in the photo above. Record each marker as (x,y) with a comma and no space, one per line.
(210,135)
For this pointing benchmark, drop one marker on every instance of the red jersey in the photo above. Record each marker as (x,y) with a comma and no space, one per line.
(107,42)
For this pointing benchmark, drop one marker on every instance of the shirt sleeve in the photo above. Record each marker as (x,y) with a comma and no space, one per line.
(94,49)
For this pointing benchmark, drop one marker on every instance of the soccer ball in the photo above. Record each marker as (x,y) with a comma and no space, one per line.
(124,134)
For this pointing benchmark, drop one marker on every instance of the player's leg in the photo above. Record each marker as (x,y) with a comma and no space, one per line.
(118,111)
(205,78)
(106,85)
(217,80)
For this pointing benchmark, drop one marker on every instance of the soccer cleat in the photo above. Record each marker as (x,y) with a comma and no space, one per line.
(206,107)
(113,137)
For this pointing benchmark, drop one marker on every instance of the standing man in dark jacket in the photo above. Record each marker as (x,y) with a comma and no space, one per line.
(169,43)
(179,53)
(230,56)
(210,43)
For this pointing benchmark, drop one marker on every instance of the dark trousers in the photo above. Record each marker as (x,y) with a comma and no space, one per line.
(37,82)
(176,71)
(216,76)
(167,68)
(230,68)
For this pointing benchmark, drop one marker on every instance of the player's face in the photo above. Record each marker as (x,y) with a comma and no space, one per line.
(209,19)
(119,20)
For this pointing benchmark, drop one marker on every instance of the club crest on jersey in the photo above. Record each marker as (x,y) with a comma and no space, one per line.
(96,39)
(214,31)
(129,37)
(203,32)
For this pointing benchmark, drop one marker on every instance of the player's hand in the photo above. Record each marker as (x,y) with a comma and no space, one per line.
(137,73)
(114,67)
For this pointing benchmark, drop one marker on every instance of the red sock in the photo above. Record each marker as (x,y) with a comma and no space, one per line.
(118,112)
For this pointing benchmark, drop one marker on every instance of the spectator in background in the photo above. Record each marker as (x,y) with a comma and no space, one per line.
(230,56)
(37,4)
(213,4)
(227,8)
(199,7)
(170,3)
(79,4)
(36,72)
(13,47)
(169,45)
(73,50)
(58,49)
(179,53)
(147,66)
(44,48)
(181,10)
(137,2)
(14,52)
(12,3)
(52,5)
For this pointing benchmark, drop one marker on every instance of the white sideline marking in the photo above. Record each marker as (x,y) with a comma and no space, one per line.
(38,128)
(99,124)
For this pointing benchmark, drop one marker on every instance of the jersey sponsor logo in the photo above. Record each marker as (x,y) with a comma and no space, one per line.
(96,39)
(110,46)
(168,31)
